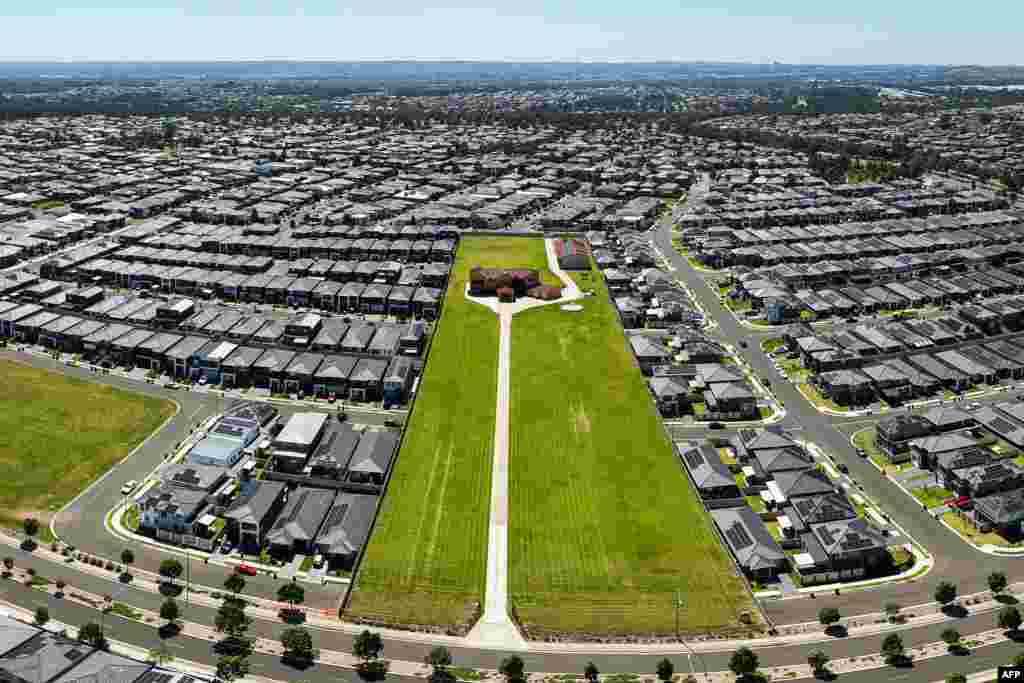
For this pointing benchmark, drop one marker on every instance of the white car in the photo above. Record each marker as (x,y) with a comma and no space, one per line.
(128,487)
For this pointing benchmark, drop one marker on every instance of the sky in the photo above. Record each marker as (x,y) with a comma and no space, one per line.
(758,31)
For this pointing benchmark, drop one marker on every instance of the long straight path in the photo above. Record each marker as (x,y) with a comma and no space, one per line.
(495,627)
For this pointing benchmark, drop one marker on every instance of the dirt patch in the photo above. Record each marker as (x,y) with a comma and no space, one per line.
(582,425)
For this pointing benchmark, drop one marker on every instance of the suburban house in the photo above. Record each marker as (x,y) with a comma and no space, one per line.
(756,551)
(372,457)
(710,475)
(926,450)
(894,434)
(253,512)
(344,531)
(299,521)
(168,507)
(840,550)
(1002,511)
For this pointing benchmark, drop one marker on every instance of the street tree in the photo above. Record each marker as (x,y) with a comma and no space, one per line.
(892,611)
(60,587)
(231,667)
(1009,618)
(893,651)
(234,583)
(945,593)
(30,526)
(743,662)
(665,670)
(439,660)
(170,612)
(817,660)
(298,646)
(127,559)
(1018,659)
(997,583)
(828,617)
(42,615)
(950,637)
(292,593)
(513,669)
(92,634)
(367,647)
(171,569)
(956,678)
(590,673)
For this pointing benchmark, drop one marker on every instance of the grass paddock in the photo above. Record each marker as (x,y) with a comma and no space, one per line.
(60,434)
(604,527)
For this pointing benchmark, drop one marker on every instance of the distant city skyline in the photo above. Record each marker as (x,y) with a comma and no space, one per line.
(793,31)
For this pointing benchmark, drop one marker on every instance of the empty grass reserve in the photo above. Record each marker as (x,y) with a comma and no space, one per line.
(64,431)
(604,526)
(426,560)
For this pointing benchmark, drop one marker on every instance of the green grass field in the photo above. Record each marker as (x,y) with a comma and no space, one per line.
(604,527)
(426,561)
(60,434)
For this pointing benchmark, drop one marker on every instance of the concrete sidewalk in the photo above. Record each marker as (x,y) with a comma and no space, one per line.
(495,628)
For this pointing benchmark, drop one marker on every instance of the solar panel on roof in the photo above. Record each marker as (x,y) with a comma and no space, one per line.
(738,536)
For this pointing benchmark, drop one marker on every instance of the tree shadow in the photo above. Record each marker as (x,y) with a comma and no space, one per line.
(297,662)
(1015,636)
(902,662)
(955,611)
(825,675)
(169,630)
(836,631)
(959,650)
(291,615)
(170,590)
(1007,599)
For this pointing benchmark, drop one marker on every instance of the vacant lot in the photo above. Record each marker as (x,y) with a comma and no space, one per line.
(426,562)
(60,434)
(604,527)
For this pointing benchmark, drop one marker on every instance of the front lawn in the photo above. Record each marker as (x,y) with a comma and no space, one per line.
(426,560)
(966,529)
(604,527)
(63,430)
(932,496)
(820,401)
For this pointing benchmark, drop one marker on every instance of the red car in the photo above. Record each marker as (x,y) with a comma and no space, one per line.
(246,569)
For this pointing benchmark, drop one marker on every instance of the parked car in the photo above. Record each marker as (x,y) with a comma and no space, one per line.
(246,569)
(862,453)
(843,468)
(318,560)
(128,487)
